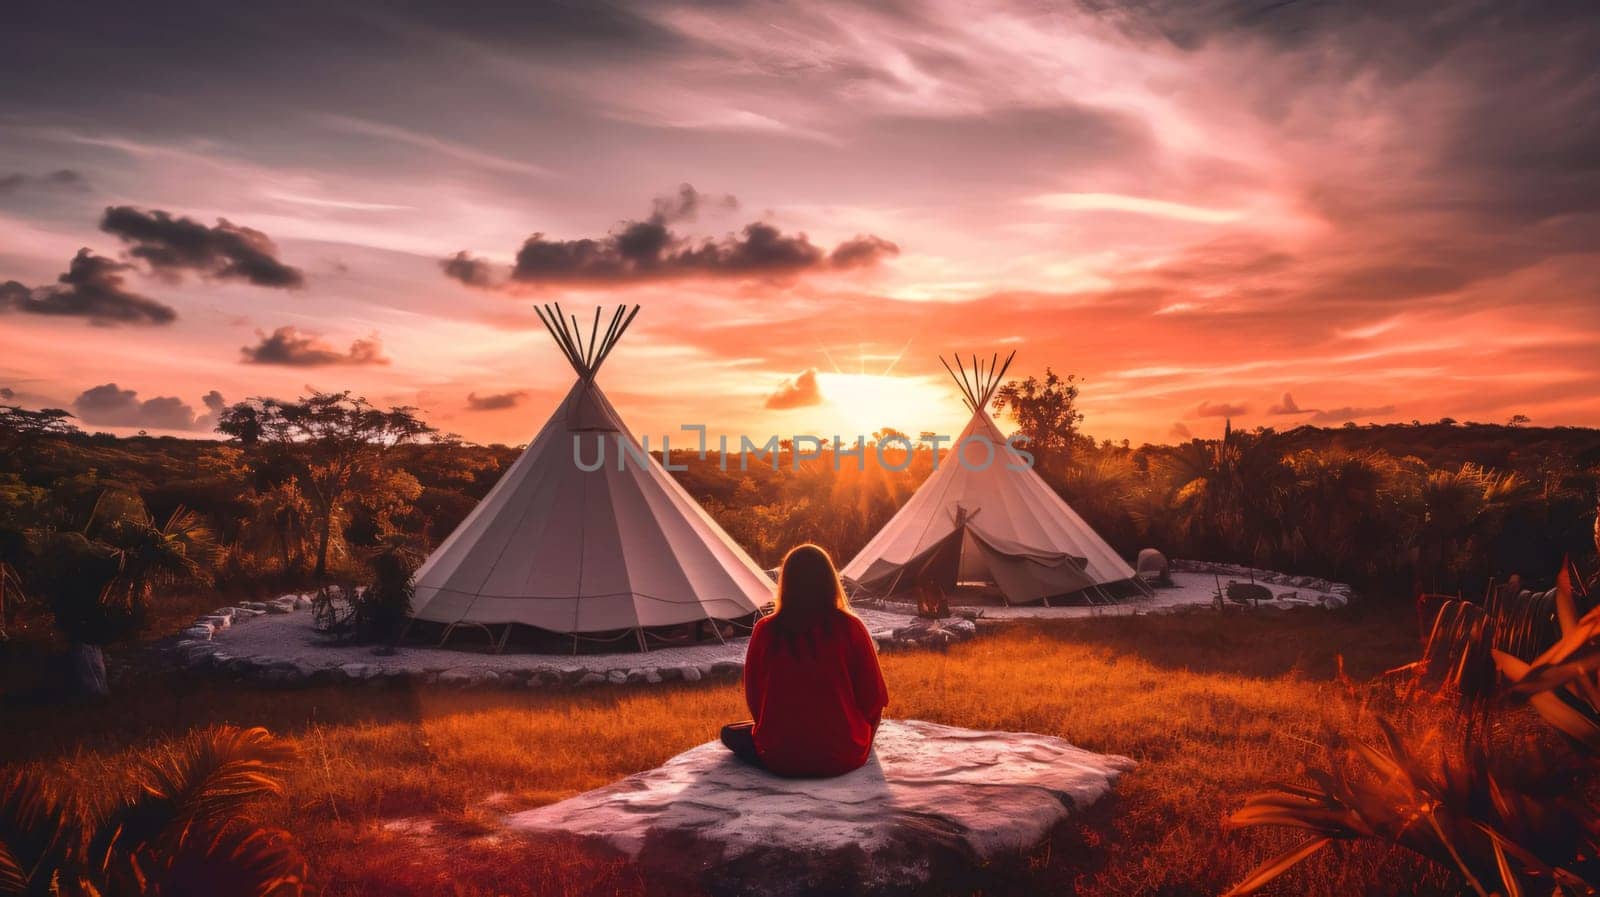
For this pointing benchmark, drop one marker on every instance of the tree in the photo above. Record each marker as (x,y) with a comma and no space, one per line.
(26,426)
(1229,495)
(99,588)
(1519,420)
(1046,412)
(332,442)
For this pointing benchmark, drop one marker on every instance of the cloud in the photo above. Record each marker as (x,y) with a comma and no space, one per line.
(862,251)
(289,347)
(797,392)
(1180,432)
(7,392)
(1330,415)
(495,401)
(92,288)
(227,251)
(650,251)
(1340,415)
(215,404)
(111,406)
(1288,406)
(1222,409)
(60,179)
(474,272)
(685,205)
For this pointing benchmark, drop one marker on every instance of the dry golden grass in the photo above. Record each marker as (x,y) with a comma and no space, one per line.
(399,791)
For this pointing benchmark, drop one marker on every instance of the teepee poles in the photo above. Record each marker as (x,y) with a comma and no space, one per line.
(585,356)
(978,387)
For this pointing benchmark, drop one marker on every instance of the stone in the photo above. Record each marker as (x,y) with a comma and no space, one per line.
(932,801)
(727,668)
(652,676)
(691,674)
(357,671)
(591,678)
(458,678)
(617,677)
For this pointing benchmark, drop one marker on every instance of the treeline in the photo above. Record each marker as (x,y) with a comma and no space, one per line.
(1316,501)
(303,492)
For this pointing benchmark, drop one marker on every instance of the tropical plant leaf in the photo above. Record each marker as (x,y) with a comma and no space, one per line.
(239,859)
(205,780)
(40,831)
(1573,722)
(1276,866)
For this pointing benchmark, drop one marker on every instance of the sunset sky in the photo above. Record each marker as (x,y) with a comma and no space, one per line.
(1279,212)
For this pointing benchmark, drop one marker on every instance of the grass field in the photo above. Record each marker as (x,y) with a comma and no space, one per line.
(399,791)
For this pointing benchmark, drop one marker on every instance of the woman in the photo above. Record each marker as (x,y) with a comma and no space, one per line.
(811,678)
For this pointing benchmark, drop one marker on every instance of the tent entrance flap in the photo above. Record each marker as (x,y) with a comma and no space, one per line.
(1025,577)
(937,565)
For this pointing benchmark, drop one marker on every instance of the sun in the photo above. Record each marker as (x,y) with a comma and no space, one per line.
(864,403)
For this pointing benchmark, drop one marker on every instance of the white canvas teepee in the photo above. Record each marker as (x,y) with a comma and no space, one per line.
(569,550)
(991,518)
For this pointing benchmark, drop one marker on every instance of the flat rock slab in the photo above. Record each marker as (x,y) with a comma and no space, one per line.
(933,800)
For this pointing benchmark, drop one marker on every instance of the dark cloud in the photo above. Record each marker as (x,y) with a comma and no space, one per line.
(215,404)
(474,272)
(60,179)
(94,288)
(649,250)
(1329,415)
(685,205)
(111,406)
(7,392)
(1340,415)
(1221,409)
(1288,406)
(862,251)
(172,246)
(1180,432)
(289,347)
(495,401)
(798,392)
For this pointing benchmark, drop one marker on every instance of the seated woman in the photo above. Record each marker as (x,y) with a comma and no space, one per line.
(811,678)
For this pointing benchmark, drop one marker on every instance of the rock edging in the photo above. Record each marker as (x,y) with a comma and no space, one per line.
(197,649)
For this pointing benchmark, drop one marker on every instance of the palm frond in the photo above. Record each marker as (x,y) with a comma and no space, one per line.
(40,829)
(205,780)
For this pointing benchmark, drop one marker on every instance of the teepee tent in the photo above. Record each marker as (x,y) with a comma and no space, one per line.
(985,515)
(618,548)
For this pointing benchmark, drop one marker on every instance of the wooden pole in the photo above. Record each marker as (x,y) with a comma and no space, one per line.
(620,331)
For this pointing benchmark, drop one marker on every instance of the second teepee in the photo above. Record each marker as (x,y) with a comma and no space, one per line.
(985,515)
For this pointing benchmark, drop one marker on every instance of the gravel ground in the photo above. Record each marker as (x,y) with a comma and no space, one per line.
(282,647)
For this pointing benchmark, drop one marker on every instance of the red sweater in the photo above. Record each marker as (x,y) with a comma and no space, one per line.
(815,711)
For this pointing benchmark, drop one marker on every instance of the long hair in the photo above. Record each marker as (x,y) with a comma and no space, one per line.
(809,594)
